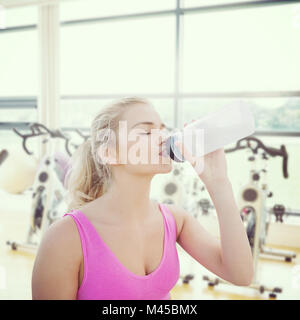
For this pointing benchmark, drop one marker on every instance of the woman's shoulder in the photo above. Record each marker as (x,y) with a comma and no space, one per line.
(57,262)
(62,235)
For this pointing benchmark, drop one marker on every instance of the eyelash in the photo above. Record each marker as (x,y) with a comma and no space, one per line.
(147,133)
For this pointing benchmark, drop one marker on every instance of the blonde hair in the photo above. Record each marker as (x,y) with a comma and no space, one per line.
(88,178)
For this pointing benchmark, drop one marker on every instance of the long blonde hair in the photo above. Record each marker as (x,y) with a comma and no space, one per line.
(88,178)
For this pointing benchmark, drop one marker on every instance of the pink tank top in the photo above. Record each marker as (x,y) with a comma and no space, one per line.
(105,278)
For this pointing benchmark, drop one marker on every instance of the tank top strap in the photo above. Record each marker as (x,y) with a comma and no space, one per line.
(90,238)
(82,229)
(171,222)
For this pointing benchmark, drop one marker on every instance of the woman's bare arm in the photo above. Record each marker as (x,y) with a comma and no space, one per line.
(230,257)
(57,264)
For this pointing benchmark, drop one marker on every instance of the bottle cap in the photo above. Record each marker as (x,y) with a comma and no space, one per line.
(172,149)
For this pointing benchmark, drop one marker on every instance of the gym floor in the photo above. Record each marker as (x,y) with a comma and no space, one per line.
(16,266)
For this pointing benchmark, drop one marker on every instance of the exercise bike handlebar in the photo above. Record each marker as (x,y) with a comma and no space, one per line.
(273,152)
(285,161)
(85,137)
(36,131)
(283,153)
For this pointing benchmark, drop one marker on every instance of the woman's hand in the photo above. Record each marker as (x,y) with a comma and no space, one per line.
(211,168)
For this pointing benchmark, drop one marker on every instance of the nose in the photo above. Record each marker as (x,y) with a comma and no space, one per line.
(163,137)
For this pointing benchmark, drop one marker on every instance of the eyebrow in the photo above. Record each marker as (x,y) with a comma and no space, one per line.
(149,122)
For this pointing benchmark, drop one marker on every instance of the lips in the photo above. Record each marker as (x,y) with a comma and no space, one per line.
(162,152)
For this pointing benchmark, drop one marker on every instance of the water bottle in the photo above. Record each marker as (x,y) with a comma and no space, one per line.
(213,131)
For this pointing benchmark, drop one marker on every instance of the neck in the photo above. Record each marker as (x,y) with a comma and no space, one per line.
(129,195)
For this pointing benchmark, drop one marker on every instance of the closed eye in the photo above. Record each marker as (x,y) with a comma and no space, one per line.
(142,131)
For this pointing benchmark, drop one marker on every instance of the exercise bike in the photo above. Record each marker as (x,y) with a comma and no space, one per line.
(253,210)
(48,190)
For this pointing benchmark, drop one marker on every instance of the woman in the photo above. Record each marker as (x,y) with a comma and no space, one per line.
(116,242)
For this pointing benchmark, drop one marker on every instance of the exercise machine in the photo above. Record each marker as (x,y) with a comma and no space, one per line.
(48,189)
(253,209)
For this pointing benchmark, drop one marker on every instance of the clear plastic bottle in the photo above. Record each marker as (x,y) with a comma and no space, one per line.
(213,131)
